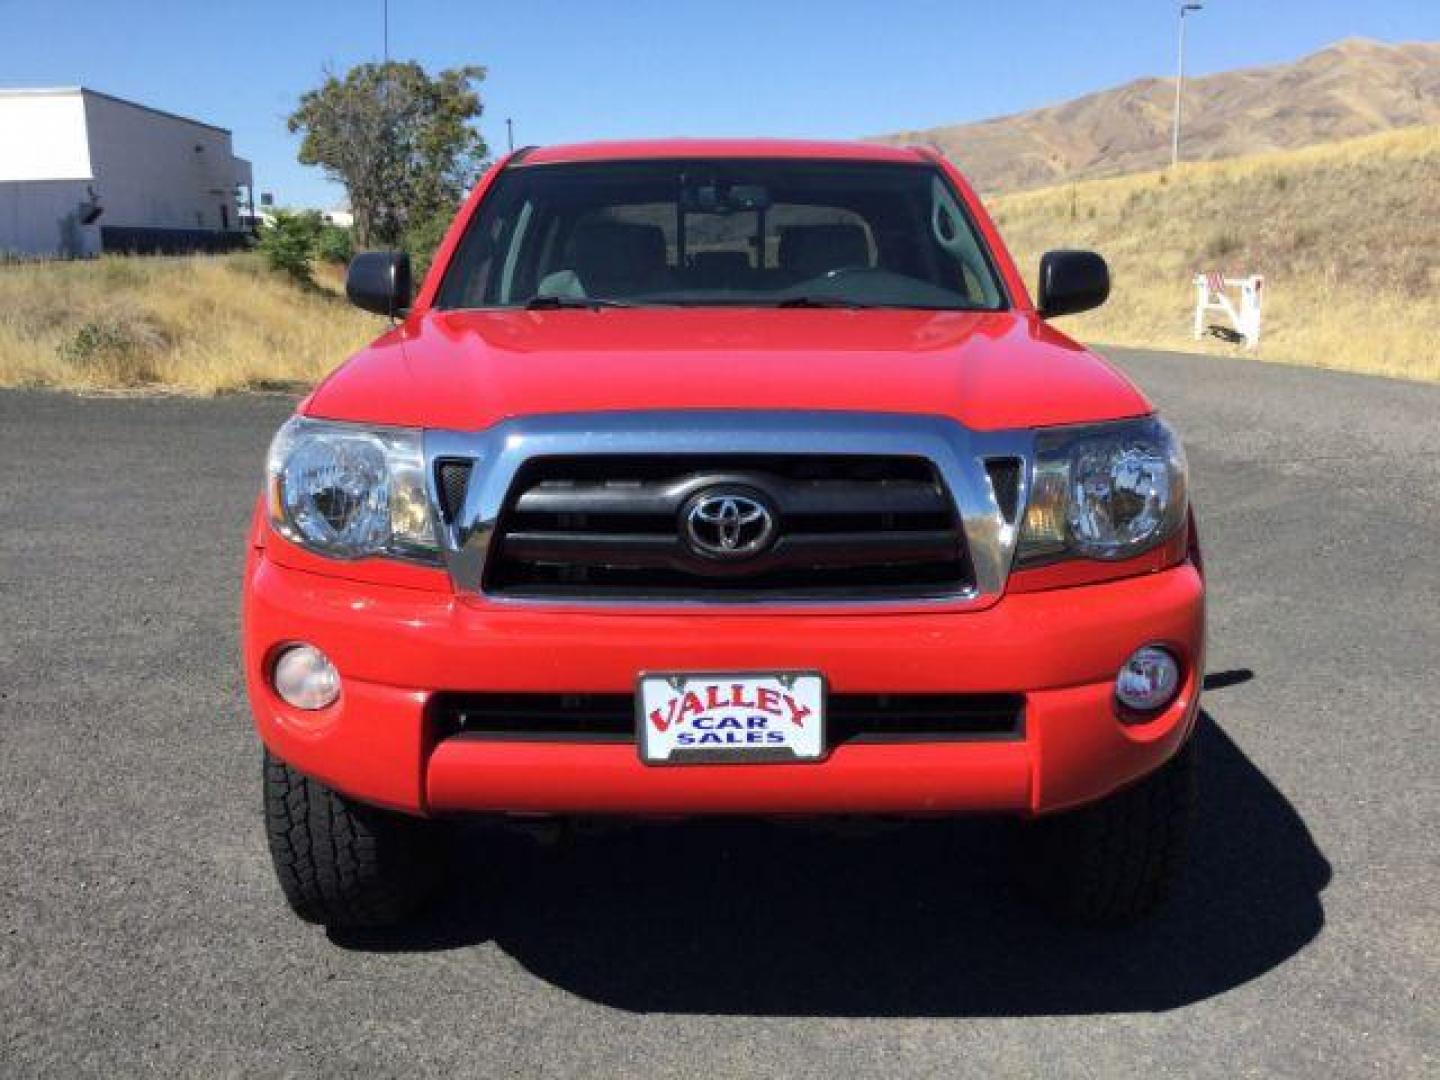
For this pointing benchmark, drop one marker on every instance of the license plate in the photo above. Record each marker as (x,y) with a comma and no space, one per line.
(749,717)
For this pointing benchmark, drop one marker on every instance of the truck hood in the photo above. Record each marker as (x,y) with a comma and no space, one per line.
(467,370)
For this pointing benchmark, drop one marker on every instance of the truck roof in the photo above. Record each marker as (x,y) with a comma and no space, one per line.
(721,148)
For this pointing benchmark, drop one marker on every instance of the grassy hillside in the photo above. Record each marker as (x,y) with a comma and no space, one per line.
(1353,88)
(201,323)
(1347,236)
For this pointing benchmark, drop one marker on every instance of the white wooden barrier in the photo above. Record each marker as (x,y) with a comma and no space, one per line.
(1211,295)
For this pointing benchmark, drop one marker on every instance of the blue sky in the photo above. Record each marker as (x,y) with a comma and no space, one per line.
(579,70)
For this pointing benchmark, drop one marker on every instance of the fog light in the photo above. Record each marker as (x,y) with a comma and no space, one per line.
(305,678)
(1149,680)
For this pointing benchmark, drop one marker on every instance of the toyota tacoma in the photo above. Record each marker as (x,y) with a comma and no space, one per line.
(723,477)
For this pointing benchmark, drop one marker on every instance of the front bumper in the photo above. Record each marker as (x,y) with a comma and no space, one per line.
(395,647)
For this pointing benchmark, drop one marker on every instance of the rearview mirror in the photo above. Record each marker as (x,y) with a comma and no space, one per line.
(1072,281)
(725,199)
(379,281)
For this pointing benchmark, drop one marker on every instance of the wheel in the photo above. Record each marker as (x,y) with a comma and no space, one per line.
(343,863)
(1114,862)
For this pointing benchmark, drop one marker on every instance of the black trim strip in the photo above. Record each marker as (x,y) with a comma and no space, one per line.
(610,718)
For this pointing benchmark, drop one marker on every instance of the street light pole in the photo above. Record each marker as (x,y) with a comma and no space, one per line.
(1180,83)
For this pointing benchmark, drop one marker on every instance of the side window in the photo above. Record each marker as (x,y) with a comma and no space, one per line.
(476,273)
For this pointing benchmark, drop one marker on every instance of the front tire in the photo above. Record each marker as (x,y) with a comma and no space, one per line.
(1114,862)
(343,863)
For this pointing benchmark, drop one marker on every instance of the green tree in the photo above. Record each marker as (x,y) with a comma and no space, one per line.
(402,143)
(423,237)
(288,242)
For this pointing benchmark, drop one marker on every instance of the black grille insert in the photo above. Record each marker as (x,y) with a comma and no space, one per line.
(1004,476)
(850,718)
(452,478)
(846,527)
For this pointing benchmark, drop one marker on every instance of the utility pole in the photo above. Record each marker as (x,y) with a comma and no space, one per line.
(510,134)
(385,31)
(1180,83)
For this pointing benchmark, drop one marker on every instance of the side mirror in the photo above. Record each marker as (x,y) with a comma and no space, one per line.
(379,281)
(1072,281)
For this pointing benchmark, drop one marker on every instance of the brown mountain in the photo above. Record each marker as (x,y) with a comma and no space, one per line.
(1355,87)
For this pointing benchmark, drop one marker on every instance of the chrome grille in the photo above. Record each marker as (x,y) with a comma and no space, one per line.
(988,506)
(612,527)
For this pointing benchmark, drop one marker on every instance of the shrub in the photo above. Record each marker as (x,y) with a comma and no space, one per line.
(288,243)
(1304,236)
(114,350)
(334,245)
(1222,244)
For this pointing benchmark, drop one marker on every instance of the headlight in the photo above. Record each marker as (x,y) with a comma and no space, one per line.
(1106,492)
(350,491)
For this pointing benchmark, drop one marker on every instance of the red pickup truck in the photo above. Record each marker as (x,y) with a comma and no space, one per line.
(723,477)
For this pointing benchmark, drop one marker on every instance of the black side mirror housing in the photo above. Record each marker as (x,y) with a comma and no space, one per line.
(379,281)
(1072,281)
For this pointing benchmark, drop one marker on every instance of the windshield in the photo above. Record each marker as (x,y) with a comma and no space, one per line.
(772,233)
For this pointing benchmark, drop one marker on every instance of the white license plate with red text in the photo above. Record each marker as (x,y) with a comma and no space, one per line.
(750,717)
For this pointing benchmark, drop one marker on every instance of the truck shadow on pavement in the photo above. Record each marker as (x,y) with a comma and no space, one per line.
(727,917)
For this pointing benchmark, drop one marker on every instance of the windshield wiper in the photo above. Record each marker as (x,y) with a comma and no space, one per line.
(555,303)
(819,302)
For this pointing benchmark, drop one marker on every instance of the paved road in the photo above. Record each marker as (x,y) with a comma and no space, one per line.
(140,928)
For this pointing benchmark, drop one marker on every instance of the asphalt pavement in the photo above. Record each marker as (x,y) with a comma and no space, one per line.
(141,929)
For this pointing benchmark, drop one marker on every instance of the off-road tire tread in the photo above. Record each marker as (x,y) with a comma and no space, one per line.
(343,863)
(1114,862)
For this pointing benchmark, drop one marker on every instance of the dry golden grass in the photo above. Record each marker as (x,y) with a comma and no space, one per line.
(1347,236)
(202,324)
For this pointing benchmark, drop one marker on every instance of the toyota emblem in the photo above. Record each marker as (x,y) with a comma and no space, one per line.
(725,523)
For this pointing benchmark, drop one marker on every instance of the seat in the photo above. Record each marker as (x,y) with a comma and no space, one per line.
(807,251)
(618,258)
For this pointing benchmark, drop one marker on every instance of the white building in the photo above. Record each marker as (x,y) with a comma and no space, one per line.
(82,172)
